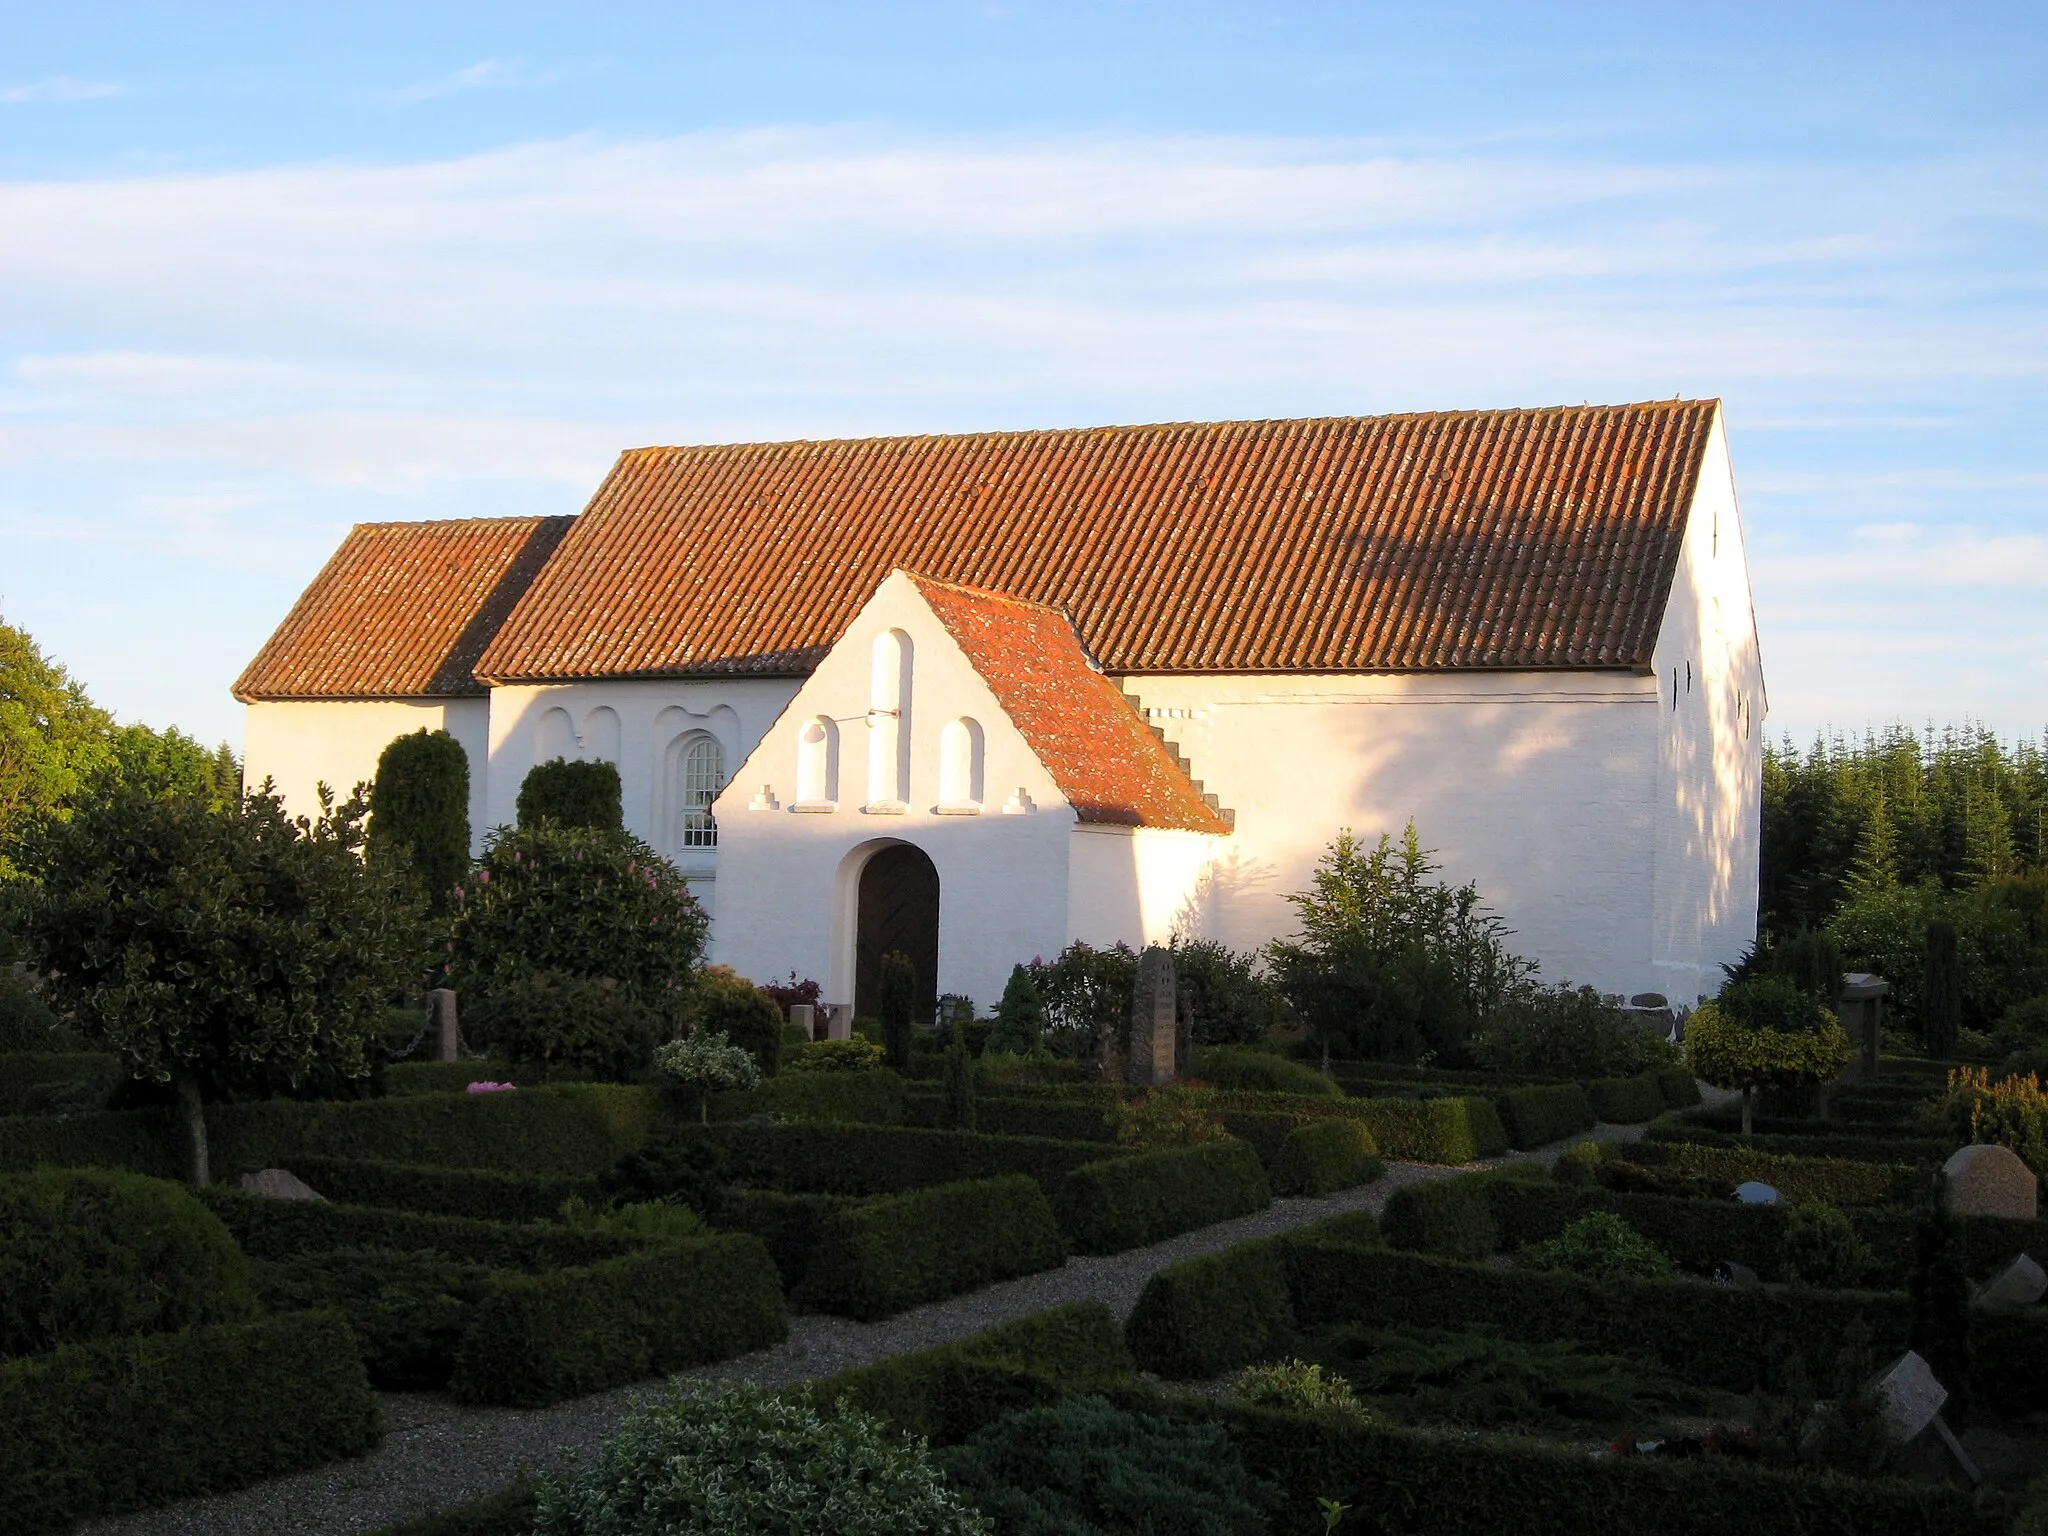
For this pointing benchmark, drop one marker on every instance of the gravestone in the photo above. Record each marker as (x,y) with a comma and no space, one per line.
(2020,1284)
(276,1184)
(1728,1272)
(1984,1180)
(1154,1020)
(1910,1395)
(1753,1193)
(805,1017)
(839,1021)
(447,1028)
(1861,1006)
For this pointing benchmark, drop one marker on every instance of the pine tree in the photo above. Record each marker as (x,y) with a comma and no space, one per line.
(1876,869)
(1987,837)
(1020,1017)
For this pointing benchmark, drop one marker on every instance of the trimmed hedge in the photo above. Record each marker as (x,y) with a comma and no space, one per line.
(862,1098)
(96,1253)
(140,1140)
(887,1160)
(405,1079)
(22,1072)
(1627,1100)
(1421,1483)
(1202,1317)
(1449,1217)
(570,1129)
(1449,1130)
(1238,1066)
(1017,1116)
(788,1226)
(1537,1116)
(1128,1202)
(478,1193)
(98,1429)
(283,1229)
(1819,1140)
(1681,1090)
(500,1514)
(1324,1157)
(948,1392)
(538,1339)
(886,1256)
(1835,1180)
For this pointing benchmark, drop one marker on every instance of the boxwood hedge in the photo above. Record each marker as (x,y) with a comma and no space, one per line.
(284,1229)
(788,1226)
(887,1160)
(1323,1157)
(478,1193)
(121,1424)
(1627,1100)
(885,1256)
(1537,1116)
(1127,1202)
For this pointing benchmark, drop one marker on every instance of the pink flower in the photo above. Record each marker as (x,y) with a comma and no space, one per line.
(491,1088)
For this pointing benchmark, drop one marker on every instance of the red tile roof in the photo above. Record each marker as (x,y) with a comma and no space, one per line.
(1104,758)
(403,610)
(1520,539)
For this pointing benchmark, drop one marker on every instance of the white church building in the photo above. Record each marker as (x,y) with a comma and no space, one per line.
(975,697)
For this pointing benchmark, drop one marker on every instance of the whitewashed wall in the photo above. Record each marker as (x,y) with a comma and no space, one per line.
(1138,885)
(304,743)
(789,878)
(1710,739)
(1539,786)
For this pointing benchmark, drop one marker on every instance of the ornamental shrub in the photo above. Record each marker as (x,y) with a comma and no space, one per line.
(655,1220)
(1819,1246)
(1259,1072)
(703,1064)
(1764,1034)
(568,793)
(1020,1018)
(1566,1031)
(1171,1115)
(738,1458)
(957,1091)
(1600,1243)
(851,1055)
(1325,1156)
(575,1025)
(576,902)
(1298,1386)
(409,1309)
(726,1004)
(90,1253)
(1228,996)
(2012,1112)
(1081,1466)
(26,1022)
(678,1172)
(898,1004)
(419,813)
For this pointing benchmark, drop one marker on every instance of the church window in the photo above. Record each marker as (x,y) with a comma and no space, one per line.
(960,764)
(889,721)
(700,770)
(554,737)
(817,762)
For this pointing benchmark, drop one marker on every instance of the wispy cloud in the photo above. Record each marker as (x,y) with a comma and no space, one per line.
(487,74)
(59,88)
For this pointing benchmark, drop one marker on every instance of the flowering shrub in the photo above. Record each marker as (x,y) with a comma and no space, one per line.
(736,1458)
(706,1063)
(491,1087)
(1171,1115)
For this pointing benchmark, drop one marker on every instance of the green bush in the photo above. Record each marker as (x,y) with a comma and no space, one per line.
(1016,1117)
(1295,1384)
(537,1339)
(1681,1090)
(1838,1181)
(673,1171)
(88,1254)
(419,812)
(23,1072)
(1201,1317)
(1811,1140)
(97,1429)
(1537,1116)
(723,1002)
(888,1160)
(1128,1202)
(1600,1243)
(1227,996)
(404,1078)
(565,792)
(1081,1467)
(865,1098)
(1324,1157)
(575,1025)
(850,1055)
(1570,1032)
(888,1255)
(140,1140)
(1626,1100)
(788,1226)
(1452,1218)
(1819,1246)
(476,1193)
(575,1128)
(1442,1130)
(1237,1066)
(279,1230)
(409,1310)
(739,1458)
(26,1022)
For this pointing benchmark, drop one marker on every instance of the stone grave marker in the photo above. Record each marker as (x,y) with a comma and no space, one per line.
(1753,1193)
(2020,1284)
(839,1021)
(1990,1181)
(805,1017)
(1154,1020)
(1728,1272)
(446,1024)
(277,1184)
(1910,1395)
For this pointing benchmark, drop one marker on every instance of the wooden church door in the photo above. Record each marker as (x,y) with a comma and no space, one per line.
(899,910)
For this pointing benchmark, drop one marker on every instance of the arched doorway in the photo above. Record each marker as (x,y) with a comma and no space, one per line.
(897,908)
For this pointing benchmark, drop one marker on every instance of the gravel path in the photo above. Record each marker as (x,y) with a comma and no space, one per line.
(437,1453)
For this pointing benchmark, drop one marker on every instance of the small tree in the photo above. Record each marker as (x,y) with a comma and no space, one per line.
(568,793)
(1020,1018)
(1941,998)
(1764,1034)
(706,1063)
(725,1003)
(898,1004)
(207,946)
(958,1085)
(419,813)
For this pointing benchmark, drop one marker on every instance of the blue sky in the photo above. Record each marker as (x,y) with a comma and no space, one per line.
(264,274)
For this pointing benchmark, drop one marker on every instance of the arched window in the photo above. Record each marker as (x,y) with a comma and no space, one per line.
(554,737)
(817,762)
(699,768)
(601,734)
(889,722)
(960,757)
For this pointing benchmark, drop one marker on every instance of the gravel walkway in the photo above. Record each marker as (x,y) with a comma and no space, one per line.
(437,1453)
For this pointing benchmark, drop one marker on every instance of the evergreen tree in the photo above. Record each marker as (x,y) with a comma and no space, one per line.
(419,813)
(898,1004)
(1987,837)
(958,1085)
(1020,1017)
(1876,869)
(568,793)
(1941,999)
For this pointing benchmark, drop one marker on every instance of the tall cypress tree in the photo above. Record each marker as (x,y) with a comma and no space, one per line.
(1941,1002)
(419,813)
(898,1004)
